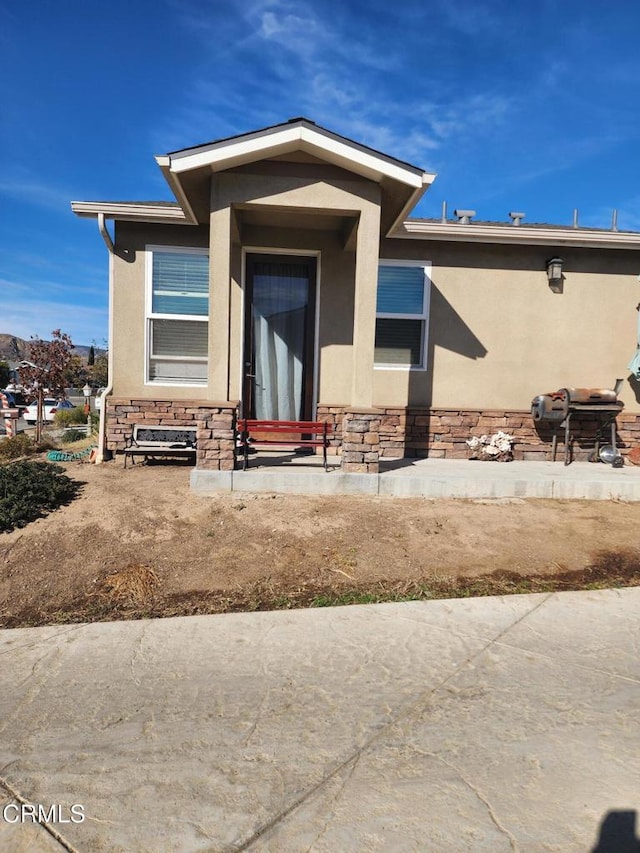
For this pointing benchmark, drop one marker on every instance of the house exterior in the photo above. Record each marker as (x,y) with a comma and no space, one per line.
(288,281)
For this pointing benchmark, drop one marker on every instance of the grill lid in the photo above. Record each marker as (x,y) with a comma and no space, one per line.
(556,405)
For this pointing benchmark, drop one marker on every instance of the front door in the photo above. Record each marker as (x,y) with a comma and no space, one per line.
(279,337)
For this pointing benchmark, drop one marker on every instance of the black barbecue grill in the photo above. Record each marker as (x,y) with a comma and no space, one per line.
(558,408)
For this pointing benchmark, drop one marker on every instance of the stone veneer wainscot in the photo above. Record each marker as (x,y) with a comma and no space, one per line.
(384,433)
(442,433)
(216,423)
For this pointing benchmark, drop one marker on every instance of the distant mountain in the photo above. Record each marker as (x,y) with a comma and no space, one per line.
(13,349)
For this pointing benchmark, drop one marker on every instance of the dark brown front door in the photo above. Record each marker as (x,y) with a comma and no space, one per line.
(279,337)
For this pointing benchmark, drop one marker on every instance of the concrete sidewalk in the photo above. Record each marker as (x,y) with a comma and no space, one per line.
(495,724)
(429,478)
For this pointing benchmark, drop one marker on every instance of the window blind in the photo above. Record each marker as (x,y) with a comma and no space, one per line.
(177,371)
(180,283)
(178,351)
(398,341)
(179,338)
(400,290)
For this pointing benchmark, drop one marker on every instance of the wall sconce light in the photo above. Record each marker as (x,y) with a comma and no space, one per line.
(554,274)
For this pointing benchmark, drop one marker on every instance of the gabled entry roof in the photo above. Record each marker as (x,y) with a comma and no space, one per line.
(295,135)
(188,172)
(402,184)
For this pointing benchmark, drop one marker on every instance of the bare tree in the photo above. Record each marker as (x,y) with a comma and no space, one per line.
(47,369)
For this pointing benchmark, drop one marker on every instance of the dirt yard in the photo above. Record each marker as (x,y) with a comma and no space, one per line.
(138,543)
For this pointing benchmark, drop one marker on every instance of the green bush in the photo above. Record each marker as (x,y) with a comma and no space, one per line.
(30,490)
(18,445)
(22,445)
(72,435)
(70,417)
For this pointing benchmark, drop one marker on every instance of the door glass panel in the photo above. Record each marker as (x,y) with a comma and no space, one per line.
(280,305)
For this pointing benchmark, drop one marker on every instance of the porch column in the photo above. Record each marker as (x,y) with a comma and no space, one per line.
(361,424)
(364,307)
(361,442)
(219,298)
(216,445)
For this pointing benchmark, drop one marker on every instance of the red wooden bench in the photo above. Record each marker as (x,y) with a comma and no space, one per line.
(256,434)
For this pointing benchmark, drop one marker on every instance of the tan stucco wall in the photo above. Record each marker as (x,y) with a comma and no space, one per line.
(129,306)
(337,267)
(337,276)
(498,335)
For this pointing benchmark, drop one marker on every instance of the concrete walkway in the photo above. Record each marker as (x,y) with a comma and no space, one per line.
(495,724)
(429,478)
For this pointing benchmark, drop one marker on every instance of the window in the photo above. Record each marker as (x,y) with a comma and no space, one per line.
(401,314)
(177,316)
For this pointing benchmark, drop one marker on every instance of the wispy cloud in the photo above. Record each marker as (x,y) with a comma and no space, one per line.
(31,317)
(330,68)
(467,90)
(30,190)
(7,284)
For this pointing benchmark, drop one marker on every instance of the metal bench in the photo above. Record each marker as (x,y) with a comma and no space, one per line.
(256,434)
(154,441)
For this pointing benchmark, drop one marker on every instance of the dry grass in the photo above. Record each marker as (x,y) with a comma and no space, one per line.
(133,585)
(139,544)
(135,592)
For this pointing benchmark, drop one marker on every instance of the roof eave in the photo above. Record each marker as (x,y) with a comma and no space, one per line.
(226,154)
(427,179)
(131,212)
(520,235)
(164,162)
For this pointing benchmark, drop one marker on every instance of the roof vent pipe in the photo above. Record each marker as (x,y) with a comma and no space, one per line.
(575,217)
(614,221)
(516,217)
(464,216)
(444,212)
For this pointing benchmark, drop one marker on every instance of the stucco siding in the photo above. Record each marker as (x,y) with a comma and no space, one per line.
(498,335)
(129,305)
(260,201)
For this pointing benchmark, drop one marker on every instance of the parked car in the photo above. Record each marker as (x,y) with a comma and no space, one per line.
(16,399)
(51,406)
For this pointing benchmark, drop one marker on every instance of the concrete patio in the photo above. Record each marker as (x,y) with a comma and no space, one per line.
(429,478)
(490,724)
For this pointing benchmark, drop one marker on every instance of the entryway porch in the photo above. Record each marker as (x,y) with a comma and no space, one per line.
(427,478)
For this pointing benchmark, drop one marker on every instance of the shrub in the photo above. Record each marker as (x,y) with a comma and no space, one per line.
(70,417)
(18,445)
(73,435)
(30,490)
(22,445)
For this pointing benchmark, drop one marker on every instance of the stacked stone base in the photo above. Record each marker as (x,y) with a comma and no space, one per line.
(364,437)
(215,422)
(361,442)
(217,439)
(417,432)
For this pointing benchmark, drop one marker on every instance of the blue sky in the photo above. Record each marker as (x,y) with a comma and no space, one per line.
(517,106)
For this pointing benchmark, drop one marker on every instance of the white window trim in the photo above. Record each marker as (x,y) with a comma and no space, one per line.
(149,315)
(424,316)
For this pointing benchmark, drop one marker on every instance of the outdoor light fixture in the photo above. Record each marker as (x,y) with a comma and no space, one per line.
(554,274)
(87,397)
